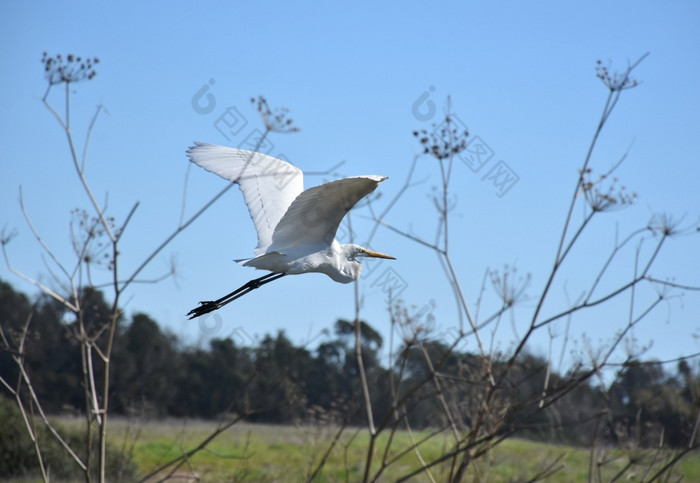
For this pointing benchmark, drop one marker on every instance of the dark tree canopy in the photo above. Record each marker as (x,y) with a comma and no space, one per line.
(278,381)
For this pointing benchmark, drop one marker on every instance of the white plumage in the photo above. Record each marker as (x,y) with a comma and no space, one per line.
(296,228)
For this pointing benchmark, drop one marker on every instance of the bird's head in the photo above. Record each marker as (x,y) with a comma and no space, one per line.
(349,267)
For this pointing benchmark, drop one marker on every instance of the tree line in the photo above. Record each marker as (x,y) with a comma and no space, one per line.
(276,381)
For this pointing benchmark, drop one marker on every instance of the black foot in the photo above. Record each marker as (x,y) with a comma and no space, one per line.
(204,308)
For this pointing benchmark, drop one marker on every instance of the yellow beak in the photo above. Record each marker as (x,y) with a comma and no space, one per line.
(371,253)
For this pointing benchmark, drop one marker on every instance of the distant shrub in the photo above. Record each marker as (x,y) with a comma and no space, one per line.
(18,456)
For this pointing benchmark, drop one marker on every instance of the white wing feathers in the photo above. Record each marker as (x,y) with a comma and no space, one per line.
(314,216)
(268,184)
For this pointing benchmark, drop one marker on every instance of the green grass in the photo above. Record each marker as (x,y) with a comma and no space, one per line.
(252,452)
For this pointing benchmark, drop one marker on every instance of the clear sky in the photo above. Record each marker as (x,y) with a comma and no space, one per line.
(358,79)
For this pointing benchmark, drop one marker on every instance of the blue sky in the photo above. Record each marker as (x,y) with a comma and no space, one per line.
(357,81)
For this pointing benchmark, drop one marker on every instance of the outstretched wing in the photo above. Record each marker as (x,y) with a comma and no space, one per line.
(314,216)
(269,185)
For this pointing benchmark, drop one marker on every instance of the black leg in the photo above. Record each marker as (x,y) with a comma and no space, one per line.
(211,305)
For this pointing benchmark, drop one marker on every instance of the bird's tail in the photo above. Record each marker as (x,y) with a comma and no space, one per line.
(267,261)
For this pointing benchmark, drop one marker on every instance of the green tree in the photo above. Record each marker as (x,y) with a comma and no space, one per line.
(144,357)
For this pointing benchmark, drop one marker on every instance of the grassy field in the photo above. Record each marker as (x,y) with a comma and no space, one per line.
(252,452)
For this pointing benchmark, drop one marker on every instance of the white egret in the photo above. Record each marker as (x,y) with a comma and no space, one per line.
(296,228)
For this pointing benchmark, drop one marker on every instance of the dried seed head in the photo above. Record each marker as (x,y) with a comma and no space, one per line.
(71,69)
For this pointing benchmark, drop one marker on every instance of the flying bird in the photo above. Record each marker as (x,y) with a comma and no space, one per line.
(296,228)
